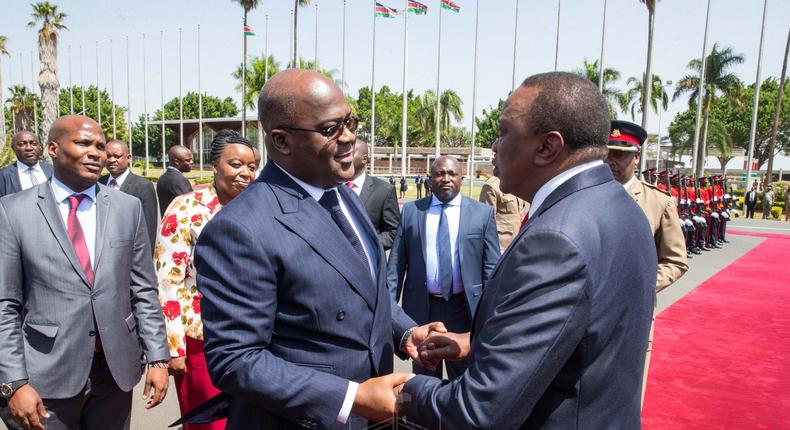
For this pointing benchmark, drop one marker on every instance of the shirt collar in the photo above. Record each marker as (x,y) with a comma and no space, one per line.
(555,183)
(315,192)
(22,167)
(456,201)
(62,192)
(122,177)
(360,180)
(630,182)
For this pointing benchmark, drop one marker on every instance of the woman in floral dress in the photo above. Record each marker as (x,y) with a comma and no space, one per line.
(234,166)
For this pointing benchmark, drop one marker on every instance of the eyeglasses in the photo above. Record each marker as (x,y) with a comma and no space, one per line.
(351,123)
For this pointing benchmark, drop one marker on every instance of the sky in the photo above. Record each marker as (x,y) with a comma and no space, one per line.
(679,28)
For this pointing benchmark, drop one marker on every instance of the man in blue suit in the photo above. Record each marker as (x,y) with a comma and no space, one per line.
(296,313)
(27,172)
(444,251)
(559,337)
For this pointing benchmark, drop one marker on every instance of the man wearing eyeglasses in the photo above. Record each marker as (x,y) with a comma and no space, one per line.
(296,313)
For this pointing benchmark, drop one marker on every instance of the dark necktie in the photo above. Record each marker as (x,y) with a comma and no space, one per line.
(330,202)
(444,252)
(77,236)
(113,183)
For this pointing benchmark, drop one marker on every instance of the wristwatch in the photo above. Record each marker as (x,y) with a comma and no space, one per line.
(8,389)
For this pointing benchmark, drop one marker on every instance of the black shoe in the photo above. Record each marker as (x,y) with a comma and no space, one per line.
(725,241)
(696,251)
(688,255)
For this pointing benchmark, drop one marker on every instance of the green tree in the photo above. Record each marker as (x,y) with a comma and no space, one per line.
(718,82)
(22,103)
(450,108)
(3,51)
(631,100)
(51,21)
(488,125)
(247,5)
(90,109)
(720,138)
(256,77)
(388,116)
(612,95)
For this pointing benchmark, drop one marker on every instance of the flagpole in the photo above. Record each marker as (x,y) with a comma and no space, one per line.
(112,95)
(515,46)
(557,43)
(98,92)
(129,103)
(372,92)
(290,39)
(180,97)
(71,87)
(200,108)
(266,51)
(471,161)
(405,113)
(84,110)
(698,152)
(315,56)
(343,48)
(438,88)
(145,110)
(603,40)
(755,107)
(244,79)
(162,91)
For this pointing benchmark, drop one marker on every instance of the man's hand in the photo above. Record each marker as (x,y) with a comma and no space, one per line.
(156,382)
(25,406)
(443,346)
(375,399)
(418,335)
(177,366)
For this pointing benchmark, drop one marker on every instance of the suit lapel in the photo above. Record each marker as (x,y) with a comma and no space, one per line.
(49,209)
(463,230)
(15,178)
(102,212)
(127,184)
(635,189)
(367,188)
(423,205)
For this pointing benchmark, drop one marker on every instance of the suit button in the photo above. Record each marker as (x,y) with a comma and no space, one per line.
(93,296)
(341,316)
(92,333)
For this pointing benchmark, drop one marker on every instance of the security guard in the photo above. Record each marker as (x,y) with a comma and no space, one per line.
(625,140)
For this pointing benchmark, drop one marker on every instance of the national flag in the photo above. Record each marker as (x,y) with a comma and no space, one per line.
(417,7)
(248,31)
(449,5)
(385,11)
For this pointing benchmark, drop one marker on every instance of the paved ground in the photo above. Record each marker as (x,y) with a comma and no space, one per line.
(701,268)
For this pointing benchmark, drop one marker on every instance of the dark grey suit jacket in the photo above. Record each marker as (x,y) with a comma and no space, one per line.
(559,338)
(9,178)
(381,204)
(170,185)
(478,252)
(144,190)
(48,308)
(288,319)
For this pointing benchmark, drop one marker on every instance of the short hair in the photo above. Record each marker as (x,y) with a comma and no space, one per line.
(224,138)
(15,137)
(571,105)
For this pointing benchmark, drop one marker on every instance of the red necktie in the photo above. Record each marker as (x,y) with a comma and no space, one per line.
(78,237)
(351,185)
(524,221)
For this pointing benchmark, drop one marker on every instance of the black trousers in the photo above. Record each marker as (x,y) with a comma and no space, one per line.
(100,405)
(749,211)
(455,316)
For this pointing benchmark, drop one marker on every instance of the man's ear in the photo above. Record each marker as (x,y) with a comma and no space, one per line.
(52,149)
(551,146)
(280,142)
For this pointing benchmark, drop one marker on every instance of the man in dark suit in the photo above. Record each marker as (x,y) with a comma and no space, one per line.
(173,183)
(27,172)
(750,200)
(418,181)
(296,313)
(379,198)
(122,178)
(78,299)
(560,333)
(436,235)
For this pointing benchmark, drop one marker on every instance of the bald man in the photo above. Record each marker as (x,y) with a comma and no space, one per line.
(27,171)
(173,183)
(381,202)
(122,178)
(296,314)
(78,299)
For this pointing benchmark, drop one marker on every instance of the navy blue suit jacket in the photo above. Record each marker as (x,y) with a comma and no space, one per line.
(560,334)
(478,252)
(288,319)
(9,178)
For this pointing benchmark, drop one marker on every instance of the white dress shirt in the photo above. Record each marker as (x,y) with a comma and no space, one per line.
(86,211)
(453,212)
(24,172)
(316,193)
(119,180)
(358,182)
(555,183)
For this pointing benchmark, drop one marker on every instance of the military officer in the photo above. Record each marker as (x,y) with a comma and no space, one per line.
(508,210)
(625,140)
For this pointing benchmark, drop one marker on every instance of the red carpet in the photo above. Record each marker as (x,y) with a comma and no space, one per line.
(721,354)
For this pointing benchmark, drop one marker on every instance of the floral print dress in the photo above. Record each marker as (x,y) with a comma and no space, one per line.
(175,245)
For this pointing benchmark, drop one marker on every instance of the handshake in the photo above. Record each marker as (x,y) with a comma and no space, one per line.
(380,399)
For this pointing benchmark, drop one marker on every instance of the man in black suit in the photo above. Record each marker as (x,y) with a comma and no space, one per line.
(419,182)
(173,183)
(379,198)
(122,178)
(27,171)
(750,199)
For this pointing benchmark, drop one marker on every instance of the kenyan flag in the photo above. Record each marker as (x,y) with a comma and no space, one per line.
(385,11)
(417,7)
(449,5)
(248,31)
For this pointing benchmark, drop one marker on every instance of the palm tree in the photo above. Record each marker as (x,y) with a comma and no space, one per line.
(450,107)
(51,21)
(612,95)
(631,100)
(255,78)
(297,3)
(248,5)
(3,51)
(719,81)
(22,103)
(651,13)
